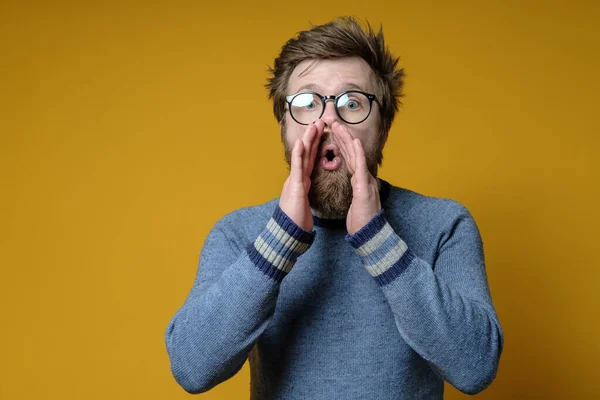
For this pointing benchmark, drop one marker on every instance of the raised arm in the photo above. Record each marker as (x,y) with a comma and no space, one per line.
(443,311)
(236,287)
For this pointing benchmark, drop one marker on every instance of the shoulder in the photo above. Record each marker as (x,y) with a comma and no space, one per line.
(421,215)
(410,204)
(246,222)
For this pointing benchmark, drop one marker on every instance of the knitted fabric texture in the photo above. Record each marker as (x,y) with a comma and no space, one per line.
(388,313)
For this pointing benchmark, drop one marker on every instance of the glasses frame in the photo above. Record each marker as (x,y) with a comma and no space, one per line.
(324,100)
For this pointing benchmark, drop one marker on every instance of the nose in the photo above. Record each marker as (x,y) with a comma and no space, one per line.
(330,115)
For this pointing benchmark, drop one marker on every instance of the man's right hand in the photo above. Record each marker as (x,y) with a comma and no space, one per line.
(294,196)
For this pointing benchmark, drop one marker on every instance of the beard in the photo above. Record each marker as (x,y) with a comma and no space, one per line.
(330,193)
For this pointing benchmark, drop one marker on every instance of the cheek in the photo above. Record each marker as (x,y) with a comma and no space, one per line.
(293,131)
(367,134)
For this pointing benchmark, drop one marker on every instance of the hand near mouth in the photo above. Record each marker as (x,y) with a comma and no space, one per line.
(365,188)
(294,196)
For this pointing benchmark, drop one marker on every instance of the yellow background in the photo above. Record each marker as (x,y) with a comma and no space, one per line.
(127,129)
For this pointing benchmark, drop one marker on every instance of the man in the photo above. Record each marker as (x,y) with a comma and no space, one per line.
(344,287)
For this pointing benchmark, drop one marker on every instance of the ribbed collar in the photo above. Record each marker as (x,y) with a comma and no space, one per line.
(339,222)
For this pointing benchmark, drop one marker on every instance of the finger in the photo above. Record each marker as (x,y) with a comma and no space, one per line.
(363,176)
(344,152)
(307,139)
(320,126)
(345,139)
(296,169)
(362,171)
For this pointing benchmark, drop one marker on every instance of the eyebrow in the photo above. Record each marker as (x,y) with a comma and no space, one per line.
(315,88)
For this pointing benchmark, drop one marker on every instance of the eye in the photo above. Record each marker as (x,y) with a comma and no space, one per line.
(305,101)
(353,105)
(350,101)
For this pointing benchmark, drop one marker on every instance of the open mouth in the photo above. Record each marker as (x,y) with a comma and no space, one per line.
(329,155)
(330,158)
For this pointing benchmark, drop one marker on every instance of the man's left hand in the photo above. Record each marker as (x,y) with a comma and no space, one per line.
(365,188)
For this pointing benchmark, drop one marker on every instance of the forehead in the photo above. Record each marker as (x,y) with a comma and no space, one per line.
(331,76)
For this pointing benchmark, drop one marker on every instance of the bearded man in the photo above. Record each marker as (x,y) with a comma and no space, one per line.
(346,286)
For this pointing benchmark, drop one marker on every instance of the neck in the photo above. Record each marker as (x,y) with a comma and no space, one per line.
(338,220)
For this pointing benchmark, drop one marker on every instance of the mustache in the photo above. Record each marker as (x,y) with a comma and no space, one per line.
(326,138)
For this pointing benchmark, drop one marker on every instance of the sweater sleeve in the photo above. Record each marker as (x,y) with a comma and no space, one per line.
(231,302)
(443,311)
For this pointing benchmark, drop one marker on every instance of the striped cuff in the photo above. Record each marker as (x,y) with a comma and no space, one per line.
(382,252)
(276,249)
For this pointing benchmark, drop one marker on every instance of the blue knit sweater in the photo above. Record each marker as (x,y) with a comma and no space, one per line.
(388,313)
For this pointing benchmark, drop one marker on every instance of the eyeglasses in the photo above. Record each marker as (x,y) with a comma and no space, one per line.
(352,106)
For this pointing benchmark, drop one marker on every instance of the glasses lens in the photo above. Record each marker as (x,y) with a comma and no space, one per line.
(306,108)
(353,107)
